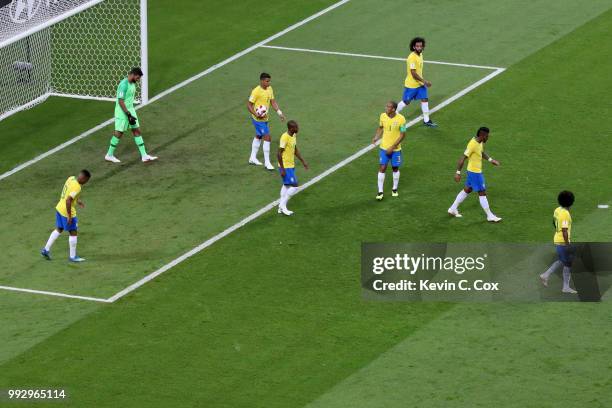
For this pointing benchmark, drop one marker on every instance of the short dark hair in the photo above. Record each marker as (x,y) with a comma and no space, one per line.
(565,199)
(264,75)
(86,173)
(482,129)
(136,71)
(291,123)
(416,40)
(394,104)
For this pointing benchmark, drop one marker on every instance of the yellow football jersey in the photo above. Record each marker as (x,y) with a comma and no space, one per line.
(414,61)
(473,152)
(562,219)
(392,130)
(259,97)
(71,188)
(288,142)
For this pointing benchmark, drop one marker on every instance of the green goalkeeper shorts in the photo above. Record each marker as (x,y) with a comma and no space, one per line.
(123,124)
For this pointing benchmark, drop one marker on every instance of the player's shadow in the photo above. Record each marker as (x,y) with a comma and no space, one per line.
(201,126)
(127,165)
(344,208)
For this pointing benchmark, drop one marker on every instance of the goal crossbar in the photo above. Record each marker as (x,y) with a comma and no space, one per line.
(48,23)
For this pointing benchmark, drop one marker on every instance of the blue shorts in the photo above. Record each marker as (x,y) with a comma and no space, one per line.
(565,254)
(261,128)
(396,158)
(414,93)
(62,222)
(475,181)
(290,179)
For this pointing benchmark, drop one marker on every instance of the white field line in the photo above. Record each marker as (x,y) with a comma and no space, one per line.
(86,97)
(44,292)
(55,149)
(24,106)
(192,252)
(271,205)
(175,88)
(349,54)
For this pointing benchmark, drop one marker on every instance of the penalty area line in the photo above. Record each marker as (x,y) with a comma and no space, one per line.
(56,294)
(380,57)
(274,203)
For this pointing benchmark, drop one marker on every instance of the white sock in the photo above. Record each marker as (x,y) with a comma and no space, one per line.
(255,148)
(266,150)
(72,242)
(425,109)
(551,269)
(566,277)
(396,175)
(400,106)
(283,193)
(381,181)
(290,192)
(460,197)
(283,201)
(484,203)
(54,235)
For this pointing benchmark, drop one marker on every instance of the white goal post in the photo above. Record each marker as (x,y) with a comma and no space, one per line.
(72,48)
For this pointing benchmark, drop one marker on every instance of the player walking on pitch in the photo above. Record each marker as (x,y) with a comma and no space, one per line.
(66,215)
(258,105)
(415,86)
(126,117)
(392,129)
(287,152)
(562,221)
(475,180)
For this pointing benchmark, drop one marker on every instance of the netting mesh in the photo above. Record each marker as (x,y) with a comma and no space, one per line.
(19,16)
(85,55)
(95,49)
(25,72)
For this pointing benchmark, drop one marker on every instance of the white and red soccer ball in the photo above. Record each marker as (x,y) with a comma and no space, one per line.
(261,111)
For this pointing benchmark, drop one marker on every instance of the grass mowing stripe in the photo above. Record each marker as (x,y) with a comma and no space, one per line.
(175,88)
(424,368)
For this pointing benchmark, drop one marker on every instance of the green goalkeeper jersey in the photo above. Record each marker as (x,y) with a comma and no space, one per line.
(127,92)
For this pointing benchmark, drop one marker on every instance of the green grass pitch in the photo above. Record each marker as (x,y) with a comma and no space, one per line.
(272,315)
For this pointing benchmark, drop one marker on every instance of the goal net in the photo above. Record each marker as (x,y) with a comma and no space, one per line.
(74,48)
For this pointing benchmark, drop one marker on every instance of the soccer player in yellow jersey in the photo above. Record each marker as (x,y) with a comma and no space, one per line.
(66,215)
(415,86)
(562,221)
(392,129)
(258,105)
(287,152)
(475,180)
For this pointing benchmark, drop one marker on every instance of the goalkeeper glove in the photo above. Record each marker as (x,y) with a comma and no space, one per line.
(131,119)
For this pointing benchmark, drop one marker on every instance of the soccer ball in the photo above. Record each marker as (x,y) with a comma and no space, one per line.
(261,111)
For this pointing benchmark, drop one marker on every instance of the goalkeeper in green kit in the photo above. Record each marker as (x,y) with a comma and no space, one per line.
(125,117)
